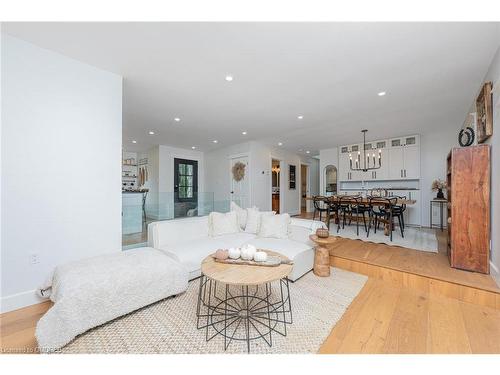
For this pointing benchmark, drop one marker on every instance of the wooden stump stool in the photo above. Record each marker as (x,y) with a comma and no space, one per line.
(322,255)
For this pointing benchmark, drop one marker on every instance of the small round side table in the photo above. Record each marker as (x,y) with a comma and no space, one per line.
(322,255)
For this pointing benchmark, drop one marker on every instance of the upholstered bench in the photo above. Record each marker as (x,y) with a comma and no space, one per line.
(93,291)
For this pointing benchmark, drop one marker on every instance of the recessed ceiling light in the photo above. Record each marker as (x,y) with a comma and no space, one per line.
(308,152)
(300,149)
(177,119)
(229,78)
(244,133)
(300,117)
(193,147)
(280,143)
(134,141)
(215,141)
(151,133)
(381,93)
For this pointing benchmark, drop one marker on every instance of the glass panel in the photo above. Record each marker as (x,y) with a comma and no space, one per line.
(355,148)
(381,144)
(410,141)
(396,142)
(182,168)
(189,192)
(189,169)
(344,149)
(368,146)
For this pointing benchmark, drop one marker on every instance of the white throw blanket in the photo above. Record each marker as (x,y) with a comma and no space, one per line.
(93,291)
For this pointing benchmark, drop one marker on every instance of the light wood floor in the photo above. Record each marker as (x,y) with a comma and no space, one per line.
(392,314)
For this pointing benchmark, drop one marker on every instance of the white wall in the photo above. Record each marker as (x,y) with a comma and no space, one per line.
(434,149)
(218,171)
(61,132)
(260,155)
(160,199)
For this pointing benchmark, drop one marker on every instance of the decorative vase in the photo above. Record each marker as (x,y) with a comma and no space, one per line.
(440,194)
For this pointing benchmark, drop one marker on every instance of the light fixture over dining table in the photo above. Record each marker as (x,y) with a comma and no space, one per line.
(369,162)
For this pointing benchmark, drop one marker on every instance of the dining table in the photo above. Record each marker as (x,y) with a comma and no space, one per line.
(365,200)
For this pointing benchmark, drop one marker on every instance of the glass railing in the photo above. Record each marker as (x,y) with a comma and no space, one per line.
(140,209)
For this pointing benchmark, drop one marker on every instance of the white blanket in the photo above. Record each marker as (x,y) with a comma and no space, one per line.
(93,291)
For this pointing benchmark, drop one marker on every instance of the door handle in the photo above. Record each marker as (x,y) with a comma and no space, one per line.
(232,192)
(405,172)
(401,173)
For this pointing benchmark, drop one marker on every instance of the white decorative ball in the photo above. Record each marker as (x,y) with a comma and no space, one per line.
(260,256)
(234,253)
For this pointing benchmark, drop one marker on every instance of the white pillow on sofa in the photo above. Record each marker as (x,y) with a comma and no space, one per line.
(220,224)
(254,218)
(275,226)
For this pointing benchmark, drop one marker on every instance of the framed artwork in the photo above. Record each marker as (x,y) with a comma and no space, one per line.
(484,109)
(292,177)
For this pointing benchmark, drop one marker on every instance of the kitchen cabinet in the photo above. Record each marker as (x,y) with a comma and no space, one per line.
(400,160)
(404,158)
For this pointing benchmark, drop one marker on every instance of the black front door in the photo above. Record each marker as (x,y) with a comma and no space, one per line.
(185,186)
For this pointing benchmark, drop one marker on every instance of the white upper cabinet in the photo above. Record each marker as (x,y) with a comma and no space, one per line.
(412,162)
(396,163)
(400,160)
(404,158)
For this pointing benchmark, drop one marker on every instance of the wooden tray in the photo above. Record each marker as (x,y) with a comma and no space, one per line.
(272,261)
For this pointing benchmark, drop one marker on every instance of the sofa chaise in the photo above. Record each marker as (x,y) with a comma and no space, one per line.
(189,242)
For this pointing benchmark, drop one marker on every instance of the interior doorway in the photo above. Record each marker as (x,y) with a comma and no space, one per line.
(304,187)
(275,192)
(330,180)
(185,186)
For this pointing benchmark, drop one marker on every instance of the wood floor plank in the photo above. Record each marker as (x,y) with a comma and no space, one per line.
(483,328)
(407,332)
(446,332)
(369,330)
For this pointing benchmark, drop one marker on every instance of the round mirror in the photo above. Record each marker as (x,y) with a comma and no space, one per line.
(330,180)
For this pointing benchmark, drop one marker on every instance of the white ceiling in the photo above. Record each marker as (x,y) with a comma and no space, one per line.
(328,72)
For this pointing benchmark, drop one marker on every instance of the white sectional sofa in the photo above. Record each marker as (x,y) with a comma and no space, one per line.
(188,241)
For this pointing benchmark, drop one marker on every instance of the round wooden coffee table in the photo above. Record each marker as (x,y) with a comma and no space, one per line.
(244,302)
(322,254)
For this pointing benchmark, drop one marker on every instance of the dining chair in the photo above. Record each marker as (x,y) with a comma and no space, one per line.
(359,208)
(381,209)
(333,208)
(398,211)
(343,208)
(319,206)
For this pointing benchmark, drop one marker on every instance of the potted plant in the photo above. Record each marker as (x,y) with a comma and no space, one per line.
(439,185)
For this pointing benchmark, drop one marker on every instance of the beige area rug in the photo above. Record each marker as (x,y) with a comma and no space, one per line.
(169,326)
(422,239)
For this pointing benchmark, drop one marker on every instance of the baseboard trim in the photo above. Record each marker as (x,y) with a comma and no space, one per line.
(20,300)
(495,273)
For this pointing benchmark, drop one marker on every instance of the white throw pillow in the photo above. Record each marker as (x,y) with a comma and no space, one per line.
(220,224)
(254,219)
(242,214)
(274,226)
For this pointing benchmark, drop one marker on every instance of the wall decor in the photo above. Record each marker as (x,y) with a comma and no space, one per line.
(238,171)
(291,177)
(466,137)
(484,113)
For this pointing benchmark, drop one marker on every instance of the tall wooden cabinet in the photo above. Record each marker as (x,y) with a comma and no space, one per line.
(468,178)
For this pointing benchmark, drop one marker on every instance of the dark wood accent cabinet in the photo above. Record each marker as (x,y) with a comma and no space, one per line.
(468,178)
